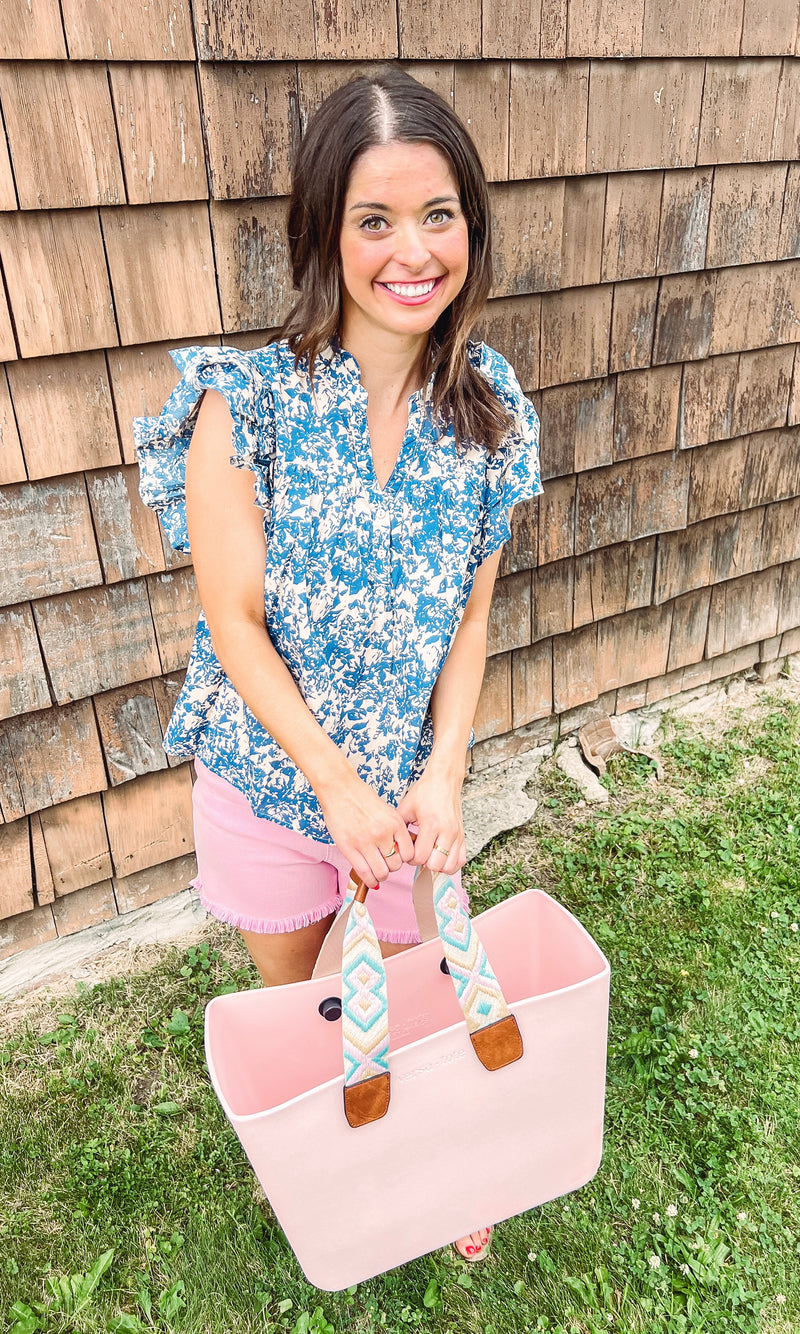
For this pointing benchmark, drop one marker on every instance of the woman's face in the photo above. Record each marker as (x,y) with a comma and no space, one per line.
(404,245)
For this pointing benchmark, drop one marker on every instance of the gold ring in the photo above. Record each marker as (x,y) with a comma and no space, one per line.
(444,851)
(394,849)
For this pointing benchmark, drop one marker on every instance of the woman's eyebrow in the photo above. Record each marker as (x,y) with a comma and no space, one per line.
(384,208)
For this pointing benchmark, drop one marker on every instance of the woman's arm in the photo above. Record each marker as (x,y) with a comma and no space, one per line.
(434,802)
(226,535)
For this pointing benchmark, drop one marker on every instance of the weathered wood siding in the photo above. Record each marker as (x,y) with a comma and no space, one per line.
(646,191)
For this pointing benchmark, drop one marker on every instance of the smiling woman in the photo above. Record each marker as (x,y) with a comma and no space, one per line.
(339,656)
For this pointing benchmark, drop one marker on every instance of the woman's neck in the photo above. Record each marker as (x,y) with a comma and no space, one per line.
(391,368)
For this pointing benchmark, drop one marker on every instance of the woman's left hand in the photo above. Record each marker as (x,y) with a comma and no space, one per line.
(433,803)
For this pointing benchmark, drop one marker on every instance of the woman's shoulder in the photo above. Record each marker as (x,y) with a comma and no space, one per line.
(499,372)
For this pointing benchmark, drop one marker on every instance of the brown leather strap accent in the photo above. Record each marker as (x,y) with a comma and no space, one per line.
(498,1044)
(367,1101)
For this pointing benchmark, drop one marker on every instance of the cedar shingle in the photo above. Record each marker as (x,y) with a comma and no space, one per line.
(8,194)
(161,140)
(115,30)
(493,714)
(16,887)
(646,418)
(27,929)
(553,97)
(440,32)
(115,620)
(32,30)
(632,647)
(87,907)
(641,573)
(164,250)
(789,611)
(511,325)
(643,113)
(255,29)
(363,31)
(692,28)
(707,401)
(575,668)
(154,883)
(43,884)
(317,79)
(175,606)
(510,614)
(743,611)
(252,263)
(632,323)
(47,539)
(12,464)
(23,686)
(738,111)
(531,683)
(8,346)
(789,239)
(603,507)
(605,28)
(514,30)
(57,281)
(689,628)
(557,520)
(601,584)
(793,418)
(252,121)
(769,30)
(528,222)
(773,467)
(683,226)
(130,731)
(745,218)
(482,102)
(77,843)
(716,479)
(786,135)
(575,334)
(763,383)
(553,598)
(49,757)
(61,133)
(521,553)
(64,412)
(128,535)
(685,317)
(756,306)
(684,560)
(659,493)
(149,820)
(578,426)
(630,235)
(582,241)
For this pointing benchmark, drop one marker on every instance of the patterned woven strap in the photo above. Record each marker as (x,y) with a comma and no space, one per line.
(365,1014)
(477,988)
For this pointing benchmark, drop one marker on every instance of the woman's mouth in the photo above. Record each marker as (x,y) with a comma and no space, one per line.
(413,294)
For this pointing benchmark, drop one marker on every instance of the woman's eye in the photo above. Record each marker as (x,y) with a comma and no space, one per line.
(439,215)
(373,224)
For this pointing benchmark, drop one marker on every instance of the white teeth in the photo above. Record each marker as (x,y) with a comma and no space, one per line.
(411,289)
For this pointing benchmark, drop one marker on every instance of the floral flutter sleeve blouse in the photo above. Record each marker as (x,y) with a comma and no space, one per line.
(364,587)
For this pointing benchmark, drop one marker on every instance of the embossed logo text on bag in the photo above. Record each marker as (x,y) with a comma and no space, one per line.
(457,1054)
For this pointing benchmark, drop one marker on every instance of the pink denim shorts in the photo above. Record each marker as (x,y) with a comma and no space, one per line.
(258,876)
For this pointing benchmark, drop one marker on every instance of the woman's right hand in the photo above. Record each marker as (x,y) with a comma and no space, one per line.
(365,828)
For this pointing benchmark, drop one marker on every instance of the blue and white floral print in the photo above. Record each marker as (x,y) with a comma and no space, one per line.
(364,588)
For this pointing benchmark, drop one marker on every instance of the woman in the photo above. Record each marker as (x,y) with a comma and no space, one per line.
(339,657)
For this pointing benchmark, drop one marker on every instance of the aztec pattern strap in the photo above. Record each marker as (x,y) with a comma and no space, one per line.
(365,1014)
(476,985)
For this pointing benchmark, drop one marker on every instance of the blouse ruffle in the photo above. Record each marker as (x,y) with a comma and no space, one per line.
(162,443)
(512,474)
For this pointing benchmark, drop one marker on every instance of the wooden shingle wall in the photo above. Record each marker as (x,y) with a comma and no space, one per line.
(646,190)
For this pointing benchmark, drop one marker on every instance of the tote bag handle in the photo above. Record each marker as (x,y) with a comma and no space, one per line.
(493,1030)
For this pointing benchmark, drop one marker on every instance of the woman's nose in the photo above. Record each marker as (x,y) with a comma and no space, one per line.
(411,249)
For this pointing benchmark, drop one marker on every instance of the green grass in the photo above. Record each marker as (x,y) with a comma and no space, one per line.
(114,1153)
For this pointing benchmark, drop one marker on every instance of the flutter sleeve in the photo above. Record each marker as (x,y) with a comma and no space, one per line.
(512,473)
(162,443)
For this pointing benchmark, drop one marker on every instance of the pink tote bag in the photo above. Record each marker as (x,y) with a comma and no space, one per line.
(430,1105)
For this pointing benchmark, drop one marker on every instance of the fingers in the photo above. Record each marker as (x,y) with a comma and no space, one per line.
(446,852)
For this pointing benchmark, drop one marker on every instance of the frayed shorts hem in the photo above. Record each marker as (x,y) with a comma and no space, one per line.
(287,924)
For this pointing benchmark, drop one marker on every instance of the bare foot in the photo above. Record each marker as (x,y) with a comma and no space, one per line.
(475,1246)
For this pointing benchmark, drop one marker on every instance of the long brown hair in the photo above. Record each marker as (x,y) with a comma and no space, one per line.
(388,106)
